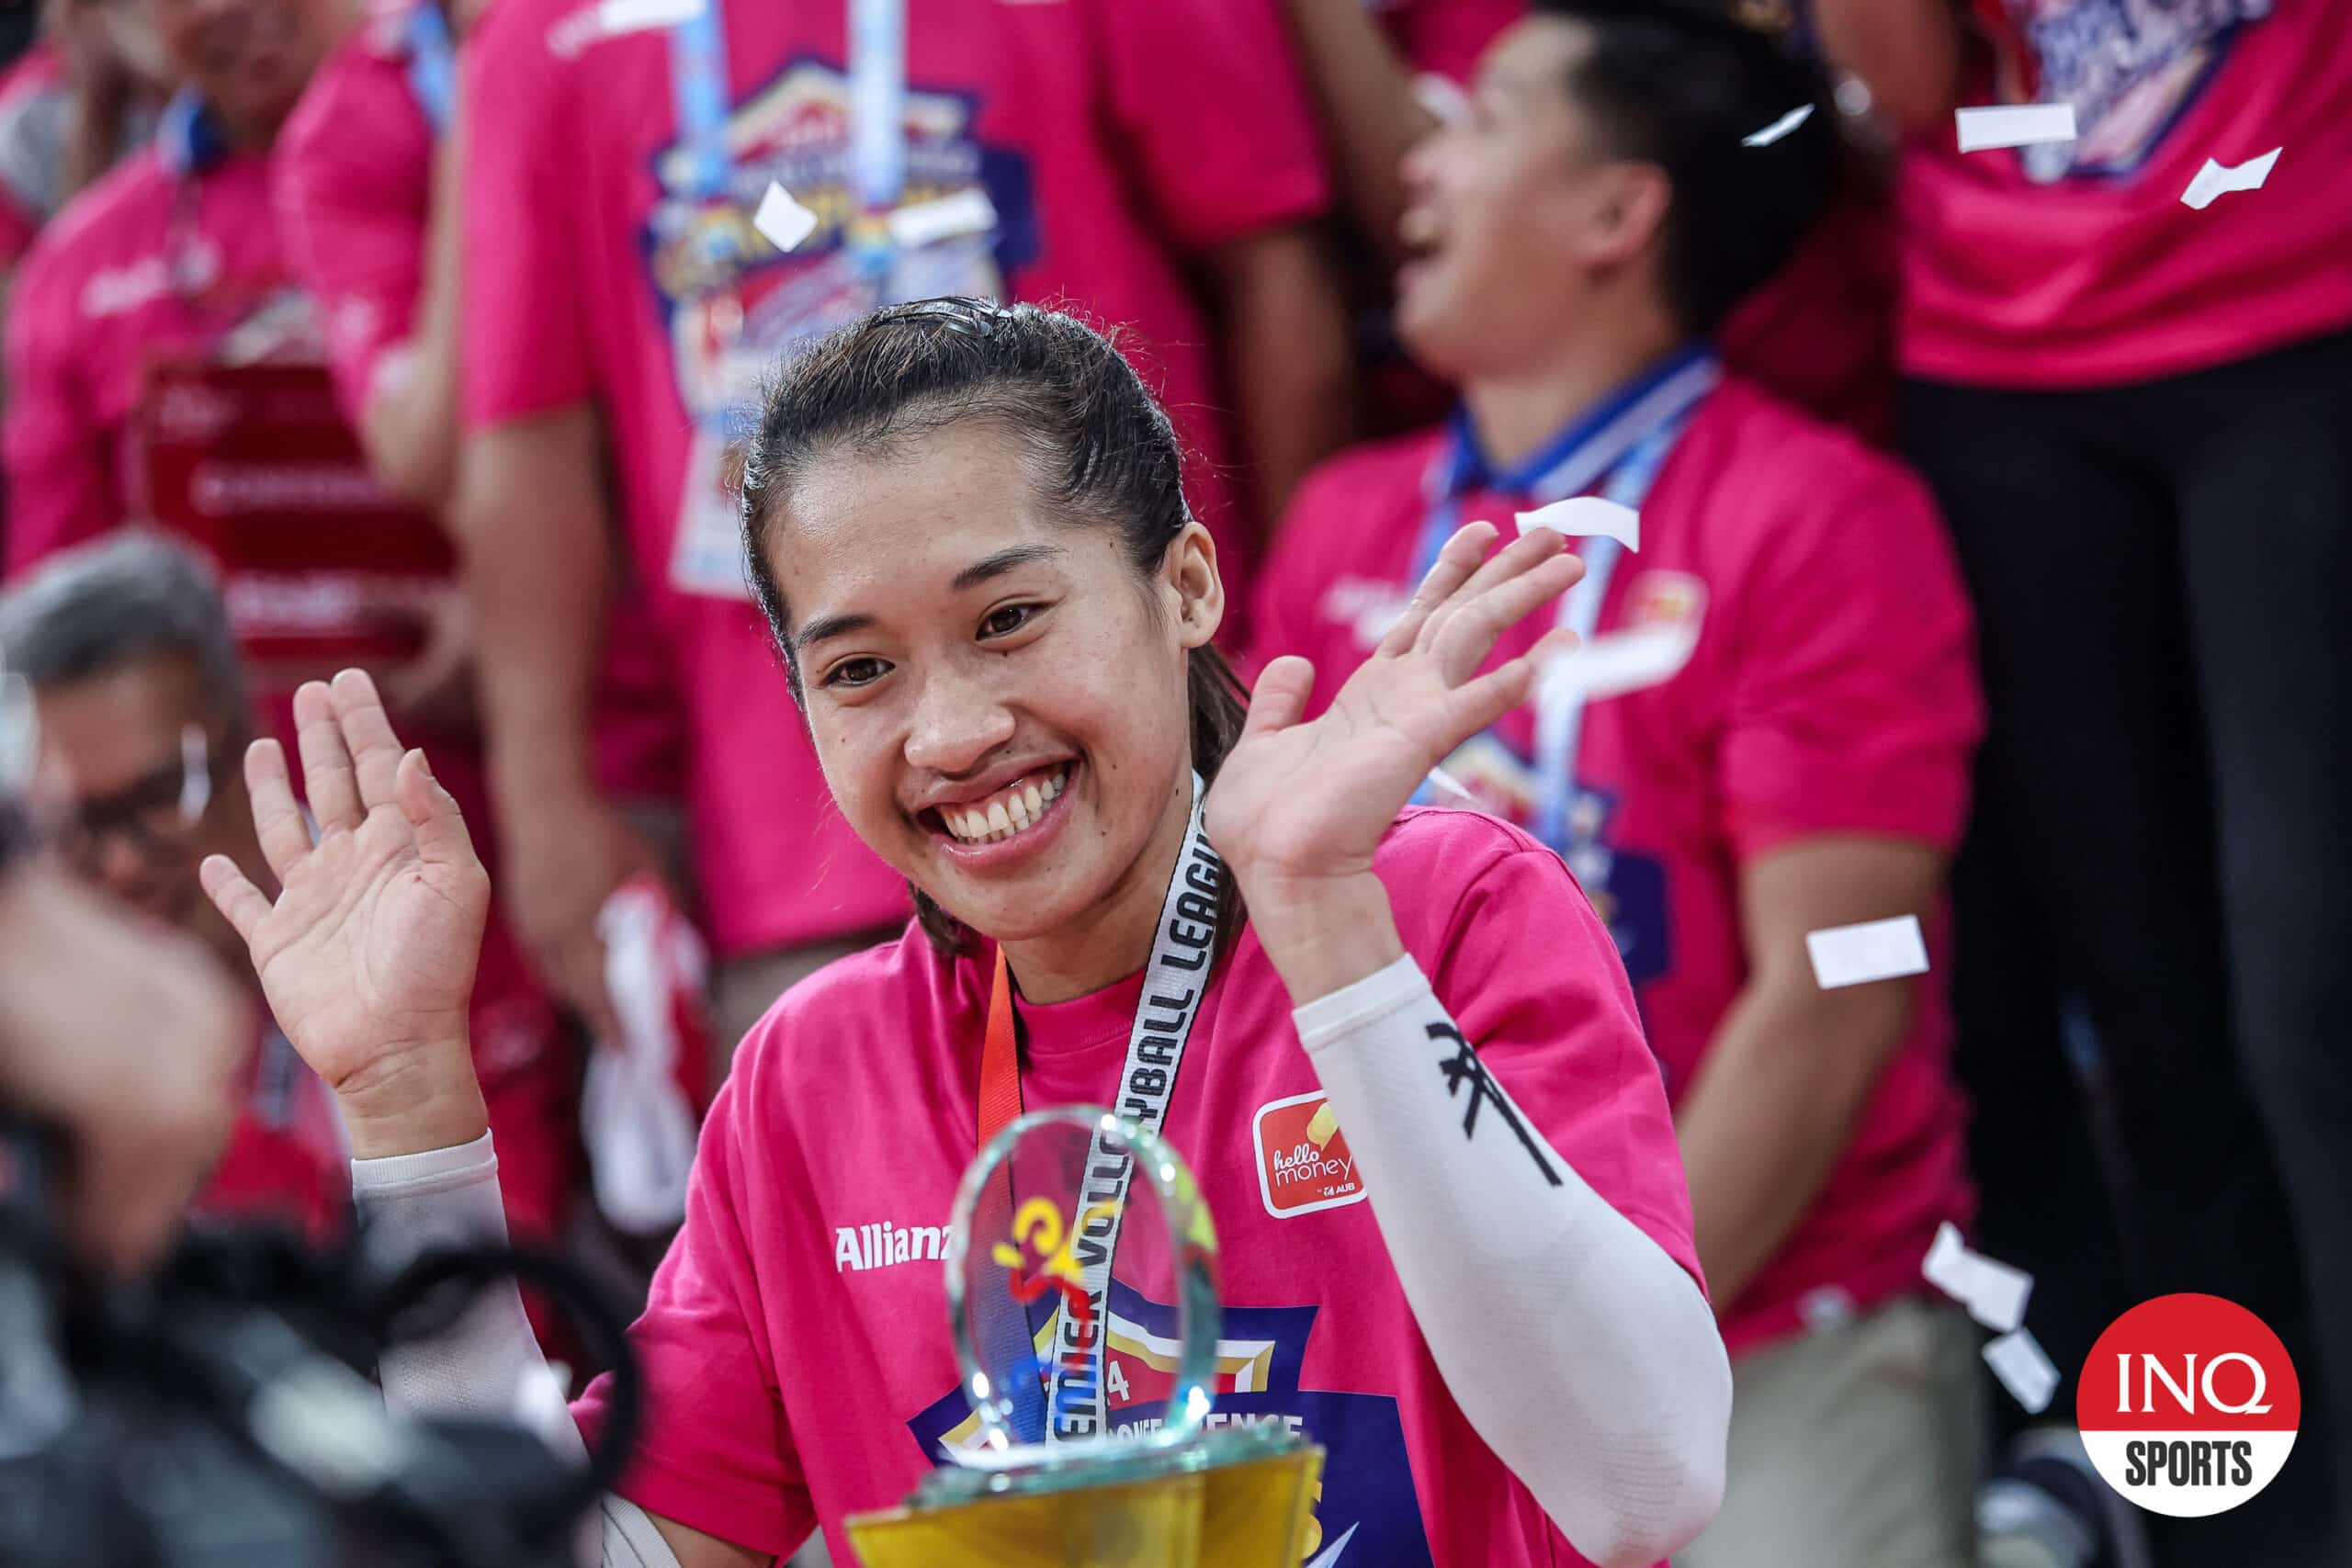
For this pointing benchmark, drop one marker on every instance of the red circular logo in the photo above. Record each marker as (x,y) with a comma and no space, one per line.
(2189,1405)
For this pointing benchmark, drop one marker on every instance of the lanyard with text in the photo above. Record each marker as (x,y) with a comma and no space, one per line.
(1620,459)
(1174,982)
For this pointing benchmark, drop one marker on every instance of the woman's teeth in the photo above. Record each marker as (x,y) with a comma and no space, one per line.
(1007,812)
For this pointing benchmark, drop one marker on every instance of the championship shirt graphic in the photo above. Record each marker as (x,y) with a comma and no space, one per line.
(2131,69)
(1303,1162)
(2189,1405)
(1366,1513)
(734,304)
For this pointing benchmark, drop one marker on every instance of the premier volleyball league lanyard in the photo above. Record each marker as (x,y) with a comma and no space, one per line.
(1616,452)
(1173,984)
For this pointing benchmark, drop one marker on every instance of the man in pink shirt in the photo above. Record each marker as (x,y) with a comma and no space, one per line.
(620,310)
(175,257)
(1764,732)
(1820,332)
(2133,412)
(366,195)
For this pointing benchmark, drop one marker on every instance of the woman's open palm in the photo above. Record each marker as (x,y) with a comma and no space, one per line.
(368,950)
(1300,801)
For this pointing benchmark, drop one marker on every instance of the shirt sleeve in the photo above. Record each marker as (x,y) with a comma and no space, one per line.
(716,1454)
(61,465)
(351,196)
(520,300)
(1532,980)
(1855,706)
(1207,97)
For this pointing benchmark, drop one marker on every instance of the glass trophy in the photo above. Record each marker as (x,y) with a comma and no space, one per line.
(1082,1298)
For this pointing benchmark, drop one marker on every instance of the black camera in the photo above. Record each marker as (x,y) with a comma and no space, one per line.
(222,1413)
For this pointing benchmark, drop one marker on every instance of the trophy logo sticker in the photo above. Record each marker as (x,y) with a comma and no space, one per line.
(1303,1161)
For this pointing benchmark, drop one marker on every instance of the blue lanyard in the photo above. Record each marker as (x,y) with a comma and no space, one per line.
(1619,446)
(878,108)
(432,63)
(878,100)
(699,82)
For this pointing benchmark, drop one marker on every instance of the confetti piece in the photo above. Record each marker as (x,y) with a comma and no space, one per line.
(1779,128)
(1875,950)
(2015,125)
(1617,662)
(539,1404)
(1993,1293)
(1443,97)
(1322,1126)
(1585,517)
(2216,180)
(784,220)
(969,211)
(2019,1360)
(1448,782)
(196,773)
(615,17)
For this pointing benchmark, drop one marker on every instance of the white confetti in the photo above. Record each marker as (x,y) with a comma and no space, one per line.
(540,1406)
(616,17)
(196,773)
(784,220)
(1451,784)
(2019,1360)
(1779,128)
(1585,517)
(1442,96)
(1993,1293)
(2216,180)
(2015,125)
(1875,950)
(968,211)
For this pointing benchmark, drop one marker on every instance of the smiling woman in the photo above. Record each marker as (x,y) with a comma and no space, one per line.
(968,533)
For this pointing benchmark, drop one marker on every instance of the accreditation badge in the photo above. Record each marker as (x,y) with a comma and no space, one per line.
(728,344)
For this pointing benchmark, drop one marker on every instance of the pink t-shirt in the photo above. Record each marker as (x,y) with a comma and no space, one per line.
(1109,137)
(797,1347)
(354,188)
(2076,264)
(149,261)
(127,272)
(1826,687)
(34,111)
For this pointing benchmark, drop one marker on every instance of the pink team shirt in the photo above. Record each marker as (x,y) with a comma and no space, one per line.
(2076,264)
(354,189)
(795,1344)
(153,261)
(1827,688)
(1102,132)
(129,270)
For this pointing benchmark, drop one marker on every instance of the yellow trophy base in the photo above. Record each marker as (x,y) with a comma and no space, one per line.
(1252,1515)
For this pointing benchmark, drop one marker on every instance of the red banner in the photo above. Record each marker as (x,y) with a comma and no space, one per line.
(321,566)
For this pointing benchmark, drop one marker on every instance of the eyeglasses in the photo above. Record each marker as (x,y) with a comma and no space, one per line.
(154,814)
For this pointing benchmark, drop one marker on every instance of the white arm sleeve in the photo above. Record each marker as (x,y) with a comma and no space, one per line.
(1580,1351)
(481,1364)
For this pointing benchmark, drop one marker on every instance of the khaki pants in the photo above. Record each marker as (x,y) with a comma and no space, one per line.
(1854,1447)
(742,990)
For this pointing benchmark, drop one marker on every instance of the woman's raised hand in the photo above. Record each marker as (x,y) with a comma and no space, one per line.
(1298,808)
(366,956)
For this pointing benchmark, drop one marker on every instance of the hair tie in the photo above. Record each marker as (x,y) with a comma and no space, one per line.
(957,313)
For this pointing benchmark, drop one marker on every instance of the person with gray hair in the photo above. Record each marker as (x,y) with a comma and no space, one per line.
(141,702)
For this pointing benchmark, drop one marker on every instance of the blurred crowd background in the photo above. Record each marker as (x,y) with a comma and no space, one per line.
(414,338)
